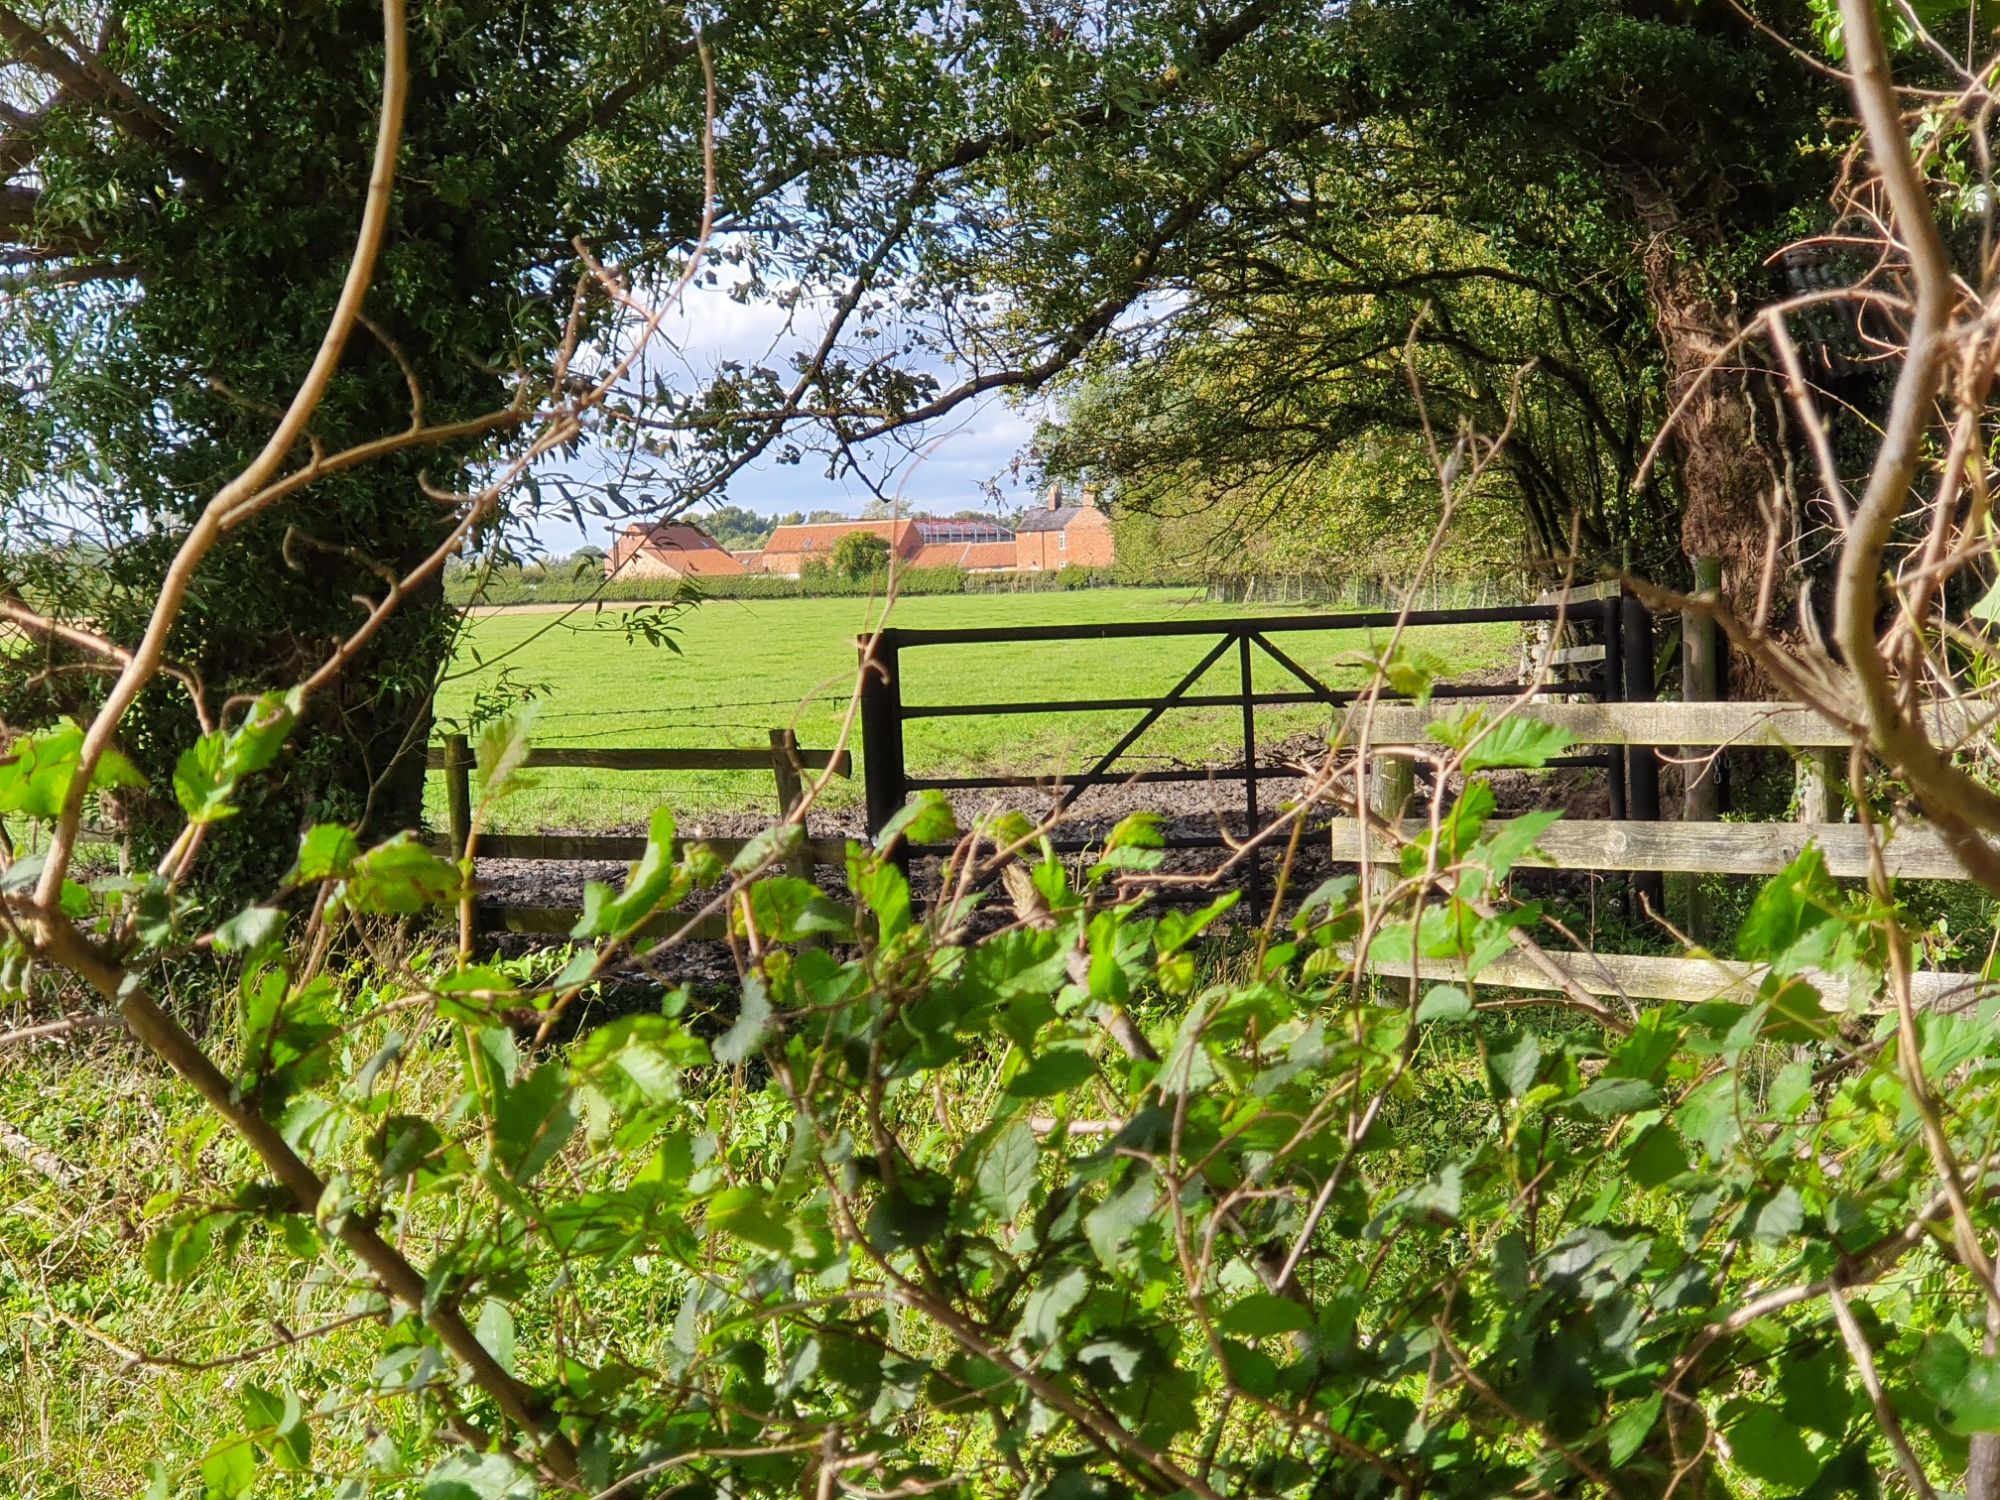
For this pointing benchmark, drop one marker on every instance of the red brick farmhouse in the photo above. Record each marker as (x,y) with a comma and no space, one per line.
(1054,537)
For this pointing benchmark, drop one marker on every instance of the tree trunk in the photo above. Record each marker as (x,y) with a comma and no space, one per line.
(1732,493)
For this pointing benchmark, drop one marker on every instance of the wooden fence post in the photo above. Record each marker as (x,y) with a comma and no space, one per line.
(458,810)
(1701,682)
(790,772)
(1642,765)
(882,729)
(458,791)
(1252,817)
(1819,776)
(1392,781)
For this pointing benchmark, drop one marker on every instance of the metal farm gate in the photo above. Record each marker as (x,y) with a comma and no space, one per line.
(1615,658)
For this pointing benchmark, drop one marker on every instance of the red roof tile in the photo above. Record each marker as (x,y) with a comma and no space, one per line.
(824,537)
(685,549)
(973,555)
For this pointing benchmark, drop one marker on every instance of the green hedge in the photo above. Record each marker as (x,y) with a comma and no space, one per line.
(530,586)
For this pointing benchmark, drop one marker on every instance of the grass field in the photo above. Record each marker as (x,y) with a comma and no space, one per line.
(746,667)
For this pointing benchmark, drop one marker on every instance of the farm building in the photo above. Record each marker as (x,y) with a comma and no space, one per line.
(792,547)
(668,550)
(1063,536)
(978,546)
(1053,537)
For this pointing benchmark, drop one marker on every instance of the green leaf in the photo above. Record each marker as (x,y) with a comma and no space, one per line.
(209,771)
(479,1476)
(745,1214)
(250,929)
(773,846)
(401,877)
(1042,1318)
(403,1143)
(1792,903)
(1176,929)
(753,1022)
(37,769)
(1414,671)
(500,754)
(532,1121)
(654,882)
(928,819)
(1781,1217)
(1444,1002)
(495,1332)
(278,1425)
(1516,1068)
(229,1470)
(1262,1315)
(474,995)
(1109,1226)
(1524,743)
(1987,606)
(1656,1157)
(1060,1068)
(882,889)
(1615,1096)
(1499,854)
(1485,743)
(1631,1426)
(1767,1446)
(326,852)
(1965,1385)
(175,1251)
(787,909)
(1139,830)
(1008,1171)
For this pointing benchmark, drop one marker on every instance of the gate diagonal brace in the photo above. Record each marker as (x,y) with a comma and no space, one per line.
(1147,720)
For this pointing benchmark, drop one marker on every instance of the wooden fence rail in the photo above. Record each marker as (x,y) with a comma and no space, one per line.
(1693,847)
(784,761)
(1783,726)
(1697,848)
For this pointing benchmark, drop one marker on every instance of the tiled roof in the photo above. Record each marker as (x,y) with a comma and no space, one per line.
(1051,520)
(685,549)
(704,563)
(966,555)
(824,537)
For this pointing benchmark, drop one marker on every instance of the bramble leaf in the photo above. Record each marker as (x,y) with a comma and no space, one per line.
(36,771)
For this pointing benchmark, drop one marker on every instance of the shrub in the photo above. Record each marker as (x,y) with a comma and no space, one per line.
(1093,1201)
(860,555)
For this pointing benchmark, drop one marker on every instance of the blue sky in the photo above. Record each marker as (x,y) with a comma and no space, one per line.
(960,458)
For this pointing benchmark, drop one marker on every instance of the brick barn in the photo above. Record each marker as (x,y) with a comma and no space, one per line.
(668,550)
(977,546)
(1063,536)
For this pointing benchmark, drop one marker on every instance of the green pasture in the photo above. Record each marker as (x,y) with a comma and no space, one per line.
(744,667)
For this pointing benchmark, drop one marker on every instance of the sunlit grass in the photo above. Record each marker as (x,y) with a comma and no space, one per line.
(746,667)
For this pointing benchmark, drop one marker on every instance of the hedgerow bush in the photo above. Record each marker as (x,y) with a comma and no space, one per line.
(1073,1199)
(514,586)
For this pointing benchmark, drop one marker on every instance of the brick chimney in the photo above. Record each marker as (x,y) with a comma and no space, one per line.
(1055,495)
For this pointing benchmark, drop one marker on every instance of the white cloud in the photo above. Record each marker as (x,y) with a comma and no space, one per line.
(709,327)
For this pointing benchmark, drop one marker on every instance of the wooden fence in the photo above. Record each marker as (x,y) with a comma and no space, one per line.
(1694,847)
(784,761)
